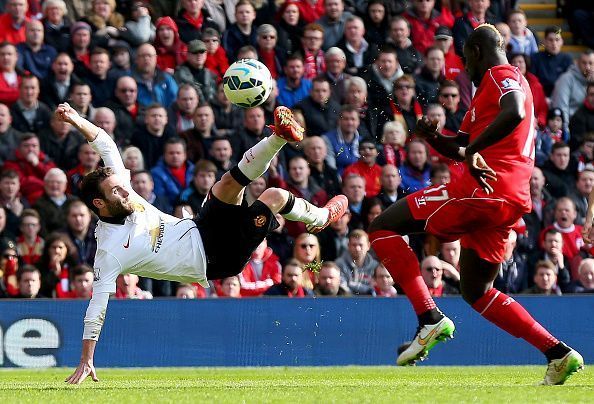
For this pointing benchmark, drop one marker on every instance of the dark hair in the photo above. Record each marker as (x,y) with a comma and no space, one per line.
(29,213)
(11,174)
(552,231)
(389,48)
(175,140)
(27,136)
(399,18)
(448,83)
(138,172)
(204,166)
(155,105)
(4,44)
(589,85)
(81,269)
(347,108)
(73,204)
(433,48)
(292,262)
(366,206)
(99,51)
(553,29)
(91,186)
(558,145)
(526,59)
(293,56)
(76,84)
(244,3)
(28,76)
(26,269)
(71,255)
(319,79)
(439,168)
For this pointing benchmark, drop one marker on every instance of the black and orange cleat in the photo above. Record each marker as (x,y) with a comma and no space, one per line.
(285,126)
(337,207)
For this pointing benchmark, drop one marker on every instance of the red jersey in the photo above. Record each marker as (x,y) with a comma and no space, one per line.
(512,158)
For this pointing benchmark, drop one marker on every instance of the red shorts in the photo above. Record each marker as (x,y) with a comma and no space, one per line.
(480,221)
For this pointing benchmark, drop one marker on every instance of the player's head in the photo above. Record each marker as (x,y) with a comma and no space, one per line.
(483,49)
(104,193)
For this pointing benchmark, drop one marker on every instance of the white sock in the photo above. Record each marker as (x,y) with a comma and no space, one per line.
(305,212)
(256,160)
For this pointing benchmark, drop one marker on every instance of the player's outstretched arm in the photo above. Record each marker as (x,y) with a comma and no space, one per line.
(68,114)
(429,131)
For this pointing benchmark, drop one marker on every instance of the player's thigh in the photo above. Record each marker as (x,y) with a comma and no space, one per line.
(228,190)
(397,218)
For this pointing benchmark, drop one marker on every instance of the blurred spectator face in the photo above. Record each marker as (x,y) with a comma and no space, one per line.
(399,32)
(204,180)
(193,7)
(356,96)
(307,248)
(387,64)
(253,119)
(29,227)
(435,61)
(479,7)
(358,247)
(382,278)
(537,183)
(221,150)
(437,113)
(59,127)
(404,92)
(8,58)
(100,64)
(102,8)
(320,92)
(88,157)
(127,284)
(54,14)
(432,271)
(78,218)
(423,8)
(519,62)
(545,278)
(146,59)
(29,284)
(83,285)
(55,185)
(560,158)
(517,23)
(565,213)
(212,43)
(374,212)
(586,65)
(126,91)
(81,39)
(29,91)
(556,123)
(34,33)
(376,12)
(291,14)
(586,273)
(390,178)
(166,35)
(245,15)
(441,177)
(505,32)
(62,67)
(585,182)
(121,58)
(294,69)
(230,287)
(57,251)
(334,9)
(256,187)
(349,122)
(293,277)
(449,97)
(299,170)
(589,97)
(17,9)
(187,100)
(197,59)
(417,155)
(133,159)
(143,184)
(368,153)
(5,118)
(267,41)
(553,43)
(315,150)
(204,118)
(329,281)
(221,97)
(81,96)
(354,31)
(9,188)
(553,243)
(450,252)
(27,147)
(105,120)
(394,136)
(174,155)
(312,40)
(354,189)
(155,120)
(335,64)
(444,44)
(185,292)
(247,54)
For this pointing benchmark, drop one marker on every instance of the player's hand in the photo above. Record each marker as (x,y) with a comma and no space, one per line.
(66,113)
(427,129)
(480,170)
(83,370)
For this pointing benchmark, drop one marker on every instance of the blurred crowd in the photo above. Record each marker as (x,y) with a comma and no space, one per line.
(358,75)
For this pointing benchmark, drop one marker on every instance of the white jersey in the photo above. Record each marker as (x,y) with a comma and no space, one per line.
(149,243)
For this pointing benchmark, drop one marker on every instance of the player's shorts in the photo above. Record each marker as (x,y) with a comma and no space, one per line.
(480,221)
(230,233)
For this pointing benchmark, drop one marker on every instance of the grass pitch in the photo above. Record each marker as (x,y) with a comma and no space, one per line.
(299,384)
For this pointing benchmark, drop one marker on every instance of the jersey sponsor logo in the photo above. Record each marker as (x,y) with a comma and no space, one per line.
(420,201)
(260,220)
(96,276)
(156,234)
(127,243)
(510,84)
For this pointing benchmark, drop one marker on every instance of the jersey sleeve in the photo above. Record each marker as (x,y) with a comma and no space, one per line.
(465,125)
(106,270)
(505,81)
(95,316)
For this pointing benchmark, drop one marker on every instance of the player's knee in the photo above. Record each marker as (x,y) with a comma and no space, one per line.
(274,198)
(471,293)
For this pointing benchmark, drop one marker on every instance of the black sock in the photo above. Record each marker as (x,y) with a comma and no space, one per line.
(557,352)
(430,317)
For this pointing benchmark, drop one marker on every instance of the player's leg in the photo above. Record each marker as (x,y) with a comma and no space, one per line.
(256,160)
(476,283)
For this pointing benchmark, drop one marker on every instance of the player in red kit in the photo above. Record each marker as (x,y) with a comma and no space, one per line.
(488,193)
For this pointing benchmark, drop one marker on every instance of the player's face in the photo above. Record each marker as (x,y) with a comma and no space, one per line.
(293,277)
(116,201)
(545,278)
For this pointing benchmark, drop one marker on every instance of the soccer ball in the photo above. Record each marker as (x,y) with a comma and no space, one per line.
(247,83)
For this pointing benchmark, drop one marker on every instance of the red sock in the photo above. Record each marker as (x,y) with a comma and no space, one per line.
(402,263)
(510,316)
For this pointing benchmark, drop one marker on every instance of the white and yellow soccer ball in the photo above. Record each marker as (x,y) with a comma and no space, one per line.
(247,83)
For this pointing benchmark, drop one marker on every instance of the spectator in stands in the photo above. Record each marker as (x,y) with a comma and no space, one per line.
(464,25)
(585,281)
(522,39)
(319,109)
(261,272)
(316,151)
(290,26)
(56,89)
(12,22)
(582,121)
(380,79)
(570,87)
(9,136)
(221,154)
(194,72)
(171,51)
(203,179)
(81,230)
(230,287)
(432,273)
(383,284)
(88,160)
(29,277)
(291,282)
(202,134)
(513,273)
(444,39)
(28,113)
(314,63)
(335,74)
(367,167)
(559,171)
(579,196)
(584,155)
(51,205)
(431,75)
(424,21)
(10,80)
(29,244)
(61,143)
(186,291)
(376,20)
(279,240)
(550,63)
(393,140)
(143,184)
(306,251)
(81,100)
(216,57)
(359,52)
(11,200)
(193,19)
(545,280)
(31,164)
(127,288)
(242,32)
(35,56)
(254,129)
(440,174)
(150,138)
(333,21)
(9,265)
(372,208)
(522,62)
(126,108)
(106,120)
(390,181)
(180,115)
(268,52)
(403,107)
(343,143)
(415,171)
(105,21)
(58,259)
(82,282)
(56,24)
(133,160)
(357,265)
(353,187)
(552,133)
(173,172)
(409,58)
(356,97)
(294,86)
(329,282)
(121,59)
(542,207)
(101,81)
(334,239)
(154,85)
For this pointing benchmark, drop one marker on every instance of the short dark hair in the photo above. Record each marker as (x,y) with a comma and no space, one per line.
(448,83)
(11,174)
(552,231)
(73,204)
(319,79)
(558,145)
(26,269)
(204,165)
(91,186)
(81,269)
(293,56)
(99,51)
(552,29)
(27,136)
(347,108)
(439,168)
(292,262)
(175,140)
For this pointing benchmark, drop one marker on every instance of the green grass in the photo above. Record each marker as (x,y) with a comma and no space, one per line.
(320,385)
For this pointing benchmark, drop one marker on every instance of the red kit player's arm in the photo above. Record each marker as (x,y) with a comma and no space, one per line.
(446,146)
(511,114)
